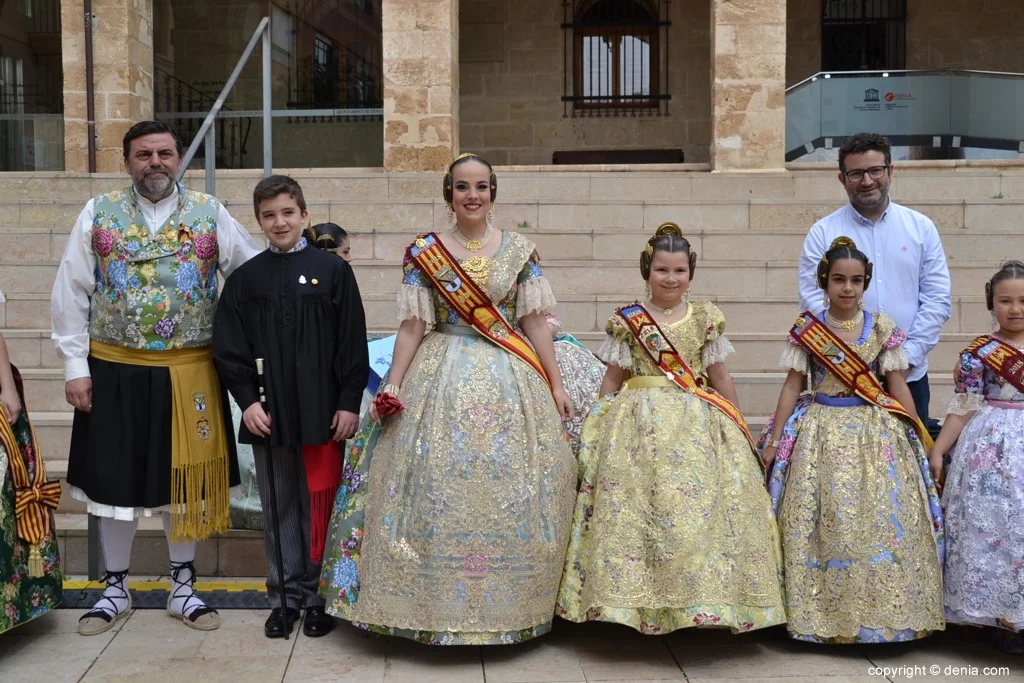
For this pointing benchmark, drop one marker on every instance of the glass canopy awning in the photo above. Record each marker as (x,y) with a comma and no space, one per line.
(944,108)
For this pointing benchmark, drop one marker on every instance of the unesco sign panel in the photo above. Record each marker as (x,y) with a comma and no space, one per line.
(983,109)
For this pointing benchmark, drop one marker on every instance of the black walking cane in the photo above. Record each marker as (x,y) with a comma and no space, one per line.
(272,501)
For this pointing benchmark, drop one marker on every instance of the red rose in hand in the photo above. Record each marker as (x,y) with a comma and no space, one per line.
(387,404)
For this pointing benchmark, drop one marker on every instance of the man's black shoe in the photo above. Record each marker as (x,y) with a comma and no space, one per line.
(272,629)
(318,622)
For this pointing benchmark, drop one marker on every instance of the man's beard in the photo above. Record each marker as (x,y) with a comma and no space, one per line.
(155,186)
(861,202)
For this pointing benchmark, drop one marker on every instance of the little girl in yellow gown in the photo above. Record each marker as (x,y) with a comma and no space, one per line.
(673,527)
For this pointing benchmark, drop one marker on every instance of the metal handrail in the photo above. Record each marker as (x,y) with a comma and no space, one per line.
(207,132)
(892,72)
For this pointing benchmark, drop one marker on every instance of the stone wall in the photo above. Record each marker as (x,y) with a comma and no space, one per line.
(123,75)
(512,81)
(965,34)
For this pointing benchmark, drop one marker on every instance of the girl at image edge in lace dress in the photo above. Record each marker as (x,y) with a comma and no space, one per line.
(984,492)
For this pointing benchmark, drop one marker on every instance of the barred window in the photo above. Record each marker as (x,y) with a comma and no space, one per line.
(619,57)
(863,35)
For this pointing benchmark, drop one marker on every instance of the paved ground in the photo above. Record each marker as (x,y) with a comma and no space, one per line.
(150,646)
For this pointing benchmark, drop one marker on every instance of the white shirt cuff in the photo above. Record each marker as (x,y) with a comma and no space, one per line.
(75,368)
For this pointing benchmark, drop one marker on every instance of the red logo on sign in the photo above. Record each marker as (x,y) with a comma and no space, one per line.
(889,96)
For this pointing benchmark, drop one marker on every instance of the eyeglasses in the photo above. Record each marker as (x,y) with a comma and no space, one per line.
(875,172)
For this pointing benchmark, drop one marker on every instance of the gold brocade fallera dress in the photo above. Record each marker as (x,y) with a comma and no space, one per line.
(673,527)
(858,512)
(452,520)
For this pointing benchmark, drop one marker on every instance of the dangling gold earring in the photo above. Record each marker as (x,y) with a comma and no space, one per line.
(490,215)
(450,210)
(825,301)
(860,304)
(995,323)
(686,296)
(648,293)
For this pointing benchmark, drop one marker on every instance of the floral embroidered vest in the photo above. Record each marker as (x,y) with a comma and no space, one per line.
(154,291)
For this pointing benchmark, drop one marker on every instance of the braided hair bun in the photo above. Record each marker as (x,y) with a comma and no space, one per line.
(668,237)
(1011,270)
(843,247)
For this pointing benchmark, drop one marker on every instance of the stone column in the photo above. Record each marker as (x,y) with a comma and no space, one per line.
(748,84)
(122,43)
(421,84)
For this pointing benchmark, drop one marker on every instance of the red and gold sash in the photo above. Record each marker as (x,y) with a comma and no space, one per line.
(1001,358)
(849,368)
(469,300)
(34,496)
(661,351)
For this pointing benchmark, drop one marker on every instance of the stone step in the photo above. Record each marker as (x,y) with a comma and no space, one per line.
(912,181)
(237,552)
(581,313)
(25,318)
(53,433)
(754,278)
(38,228)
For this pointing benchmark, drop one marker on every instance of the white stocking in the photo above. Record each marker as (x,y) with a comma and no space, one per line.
(116,537)
(183,600)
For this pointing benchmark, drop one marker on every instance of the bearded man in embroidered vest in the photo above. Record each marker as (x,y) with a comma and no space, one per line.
(132,316)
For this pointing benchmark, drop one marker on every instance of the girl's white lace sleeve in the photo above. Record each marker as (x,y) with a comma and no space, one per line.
(535,296)
(717,351)
(614,351)
(962,404)
(794,358)
(893,359)
(415,302)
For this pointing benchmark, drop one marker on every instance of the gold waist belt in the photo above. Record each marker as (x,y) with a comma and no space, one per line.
(648,382)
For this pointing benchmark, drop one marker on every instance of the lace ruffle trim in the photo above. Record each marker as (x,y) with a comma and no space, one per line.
(535,296)
(615,352)
(415,302)
(962,404)
(794,358)
(717,351)
(892,359)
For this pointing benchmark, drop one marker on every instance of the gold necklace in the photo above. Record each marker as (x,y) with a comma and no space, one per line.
(664,311)
(471,245)
(848,325)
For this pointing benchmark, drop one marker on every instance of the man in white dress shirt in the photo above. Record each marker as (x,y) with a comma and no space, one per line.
(911,279)
(132,318)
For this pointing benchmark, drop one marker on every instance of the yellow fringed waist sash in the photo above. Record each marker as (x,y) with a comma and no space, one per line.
(199,446)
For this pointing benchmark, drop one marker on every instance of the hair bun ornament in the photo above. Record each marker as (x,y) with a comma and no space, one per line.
(464,155)
(842,241)
(667,228)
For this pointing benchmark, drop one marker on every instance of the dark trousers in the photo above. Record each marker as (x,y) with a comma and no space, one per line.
(301,574)
(922,395)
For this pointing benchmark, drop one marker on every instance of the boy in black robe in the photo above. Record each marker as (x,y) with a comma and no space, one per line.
(298,308)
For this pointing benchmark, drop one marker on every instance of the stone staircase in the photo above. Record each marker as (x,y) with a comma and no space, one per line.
(589,226)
